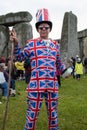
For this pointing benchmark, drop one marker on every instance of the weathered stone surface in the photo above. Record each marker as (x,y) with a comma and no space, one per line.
(82,33)
(82,38)
(69,42)
(85,47)
(20,22)
(4,37)
(11,19)
(24,32)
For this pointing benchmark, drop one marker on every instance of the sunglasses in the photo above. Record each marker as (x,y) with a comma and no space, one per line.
(43,28)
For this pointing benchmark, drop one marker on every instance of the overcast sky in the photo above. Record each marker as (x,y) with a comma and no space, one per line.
(57,9)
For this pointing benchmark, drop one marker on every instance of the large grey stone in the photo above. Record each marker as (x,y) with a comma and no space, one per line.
(24,32)
(11,19)
(4,37)
(82,34)
(69,42)
(85,47)
(82,38)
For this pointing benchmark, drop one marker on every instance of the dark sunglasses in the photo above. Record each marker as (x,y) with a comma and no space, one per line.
(43,28)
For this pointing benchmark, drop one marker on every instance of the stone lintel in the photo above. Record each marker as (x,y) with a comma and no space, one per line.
(11,19)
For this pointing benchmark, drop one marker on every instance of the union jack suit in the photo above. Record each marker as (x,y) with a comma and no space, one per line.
(43,83)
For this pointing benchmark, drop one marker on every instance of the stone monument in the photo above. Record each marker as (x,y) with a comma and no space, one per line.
(69,42)
(20,21)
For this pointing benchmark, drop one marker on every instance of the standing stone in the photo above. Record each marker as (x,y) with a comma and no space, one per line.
(20,21)
(69,42)
(24,32)
(4,37)
(82,38)
(85,47)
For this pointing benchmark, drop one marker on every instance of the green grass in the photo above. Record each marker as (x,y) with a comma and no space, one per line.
(72,107)
(72,104)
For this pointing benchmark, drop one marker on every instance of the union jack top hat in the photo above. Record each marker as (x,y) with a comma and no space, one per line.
(42,16)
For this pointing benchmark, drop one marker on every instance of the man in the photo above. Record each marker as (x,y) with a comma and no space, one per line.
(44,56)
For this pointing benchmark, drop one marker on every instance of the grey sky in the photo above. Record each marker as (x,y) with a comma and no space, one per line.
(56,8)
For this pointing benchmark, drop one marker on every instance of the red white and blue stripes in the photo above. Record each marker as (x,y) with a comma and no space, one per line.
(43,82)
(43,64)
(34,104)
(42,15)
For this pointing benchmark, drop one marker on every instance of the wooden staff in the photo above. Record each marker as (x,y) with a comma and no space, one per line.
(9,81)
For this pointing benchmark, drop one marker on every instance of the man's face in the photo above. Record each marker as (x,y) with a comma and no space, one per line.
(43,30)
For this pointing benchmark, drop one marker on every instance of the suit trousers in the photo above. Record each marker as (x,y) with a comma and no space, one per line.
(34,101)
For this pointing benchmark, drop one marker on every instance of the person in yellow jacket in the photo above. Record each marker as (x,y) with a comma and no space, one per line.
(78,69)
(19,65)
(20,69)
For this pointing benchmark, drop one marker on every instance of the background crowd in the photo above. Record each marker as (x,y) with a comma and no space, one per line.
(20,71)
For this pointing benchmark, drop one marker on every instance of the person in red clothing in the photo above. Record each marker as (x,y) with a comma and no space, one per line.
(2,59)
(44,55)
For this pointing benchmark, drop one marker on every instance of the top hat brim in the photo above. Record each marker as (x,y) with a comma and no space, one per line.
(48,22)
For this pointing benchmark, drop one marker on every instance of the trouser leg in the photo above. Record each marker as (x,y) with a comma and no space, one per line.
(34,104)
(0,94)
(5,89)
(52,109)
(12,84)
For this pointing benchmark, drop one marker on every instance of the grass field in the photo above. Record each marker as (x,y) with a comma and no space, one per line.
(72,107)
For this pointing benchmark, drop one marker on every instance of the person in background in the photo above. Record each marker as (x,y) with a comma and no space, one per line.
(85,65)
(12,91)
(58,73)
(78,68)
(44,55)
(73,64)
(27,67)
(76,57)
(3,83)
(20,69)
(2,59)
(58,77)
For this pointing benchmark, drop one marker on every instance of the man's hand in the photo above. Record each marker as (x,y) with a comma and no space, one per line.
(13,36)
